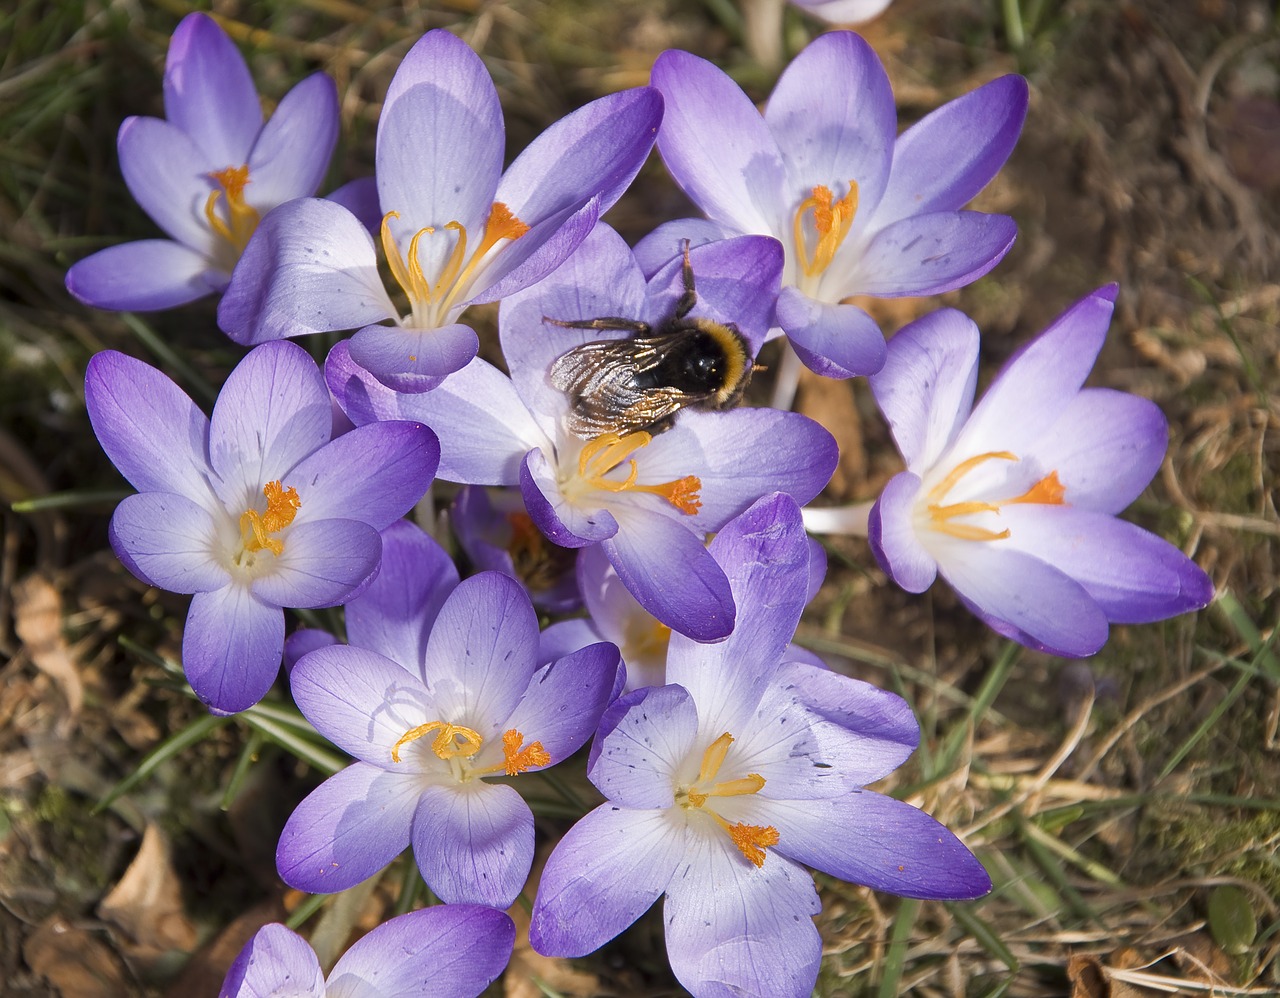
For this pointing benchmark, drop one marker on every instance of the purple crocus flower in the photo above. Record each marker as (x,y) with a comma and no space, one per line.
(207,173)
(721,785)
(434,703)
(859,209)
(450,949)
(253,509)
(455,229)
(648,500)
(1014,503)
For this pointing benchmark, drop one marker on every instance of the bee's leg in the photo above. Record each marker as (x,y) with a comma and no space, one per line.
(604,322)
(690,297)
(661,425)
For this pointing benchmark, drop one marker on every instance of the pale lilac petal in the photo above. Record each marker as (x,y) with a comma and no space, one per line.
(361,702)
(374,473)
(231,648)
(666,568)
(1135,576)
(836,341)
(1033,389)
(844,11)
(275,960)
(310,267)
(547,244)
(564,637)
(883,843)
(347,829)
(394,615)
(291,155)
(664,244)
(360,197)
(817,569)
(324,563)
(482,651)
(563,522)
(474,844)
(1106,448)
(1023,598)
(947,157)
(565,699)
(168,541)
(891,531)
(143,276)
(388,351)
(441,89)
(604,874)
(641,747)
(846,136)
(208,92)
(930,254)
(925,389)
(168,175)
(717,146)
(273,411)
(453,949)
(735,929)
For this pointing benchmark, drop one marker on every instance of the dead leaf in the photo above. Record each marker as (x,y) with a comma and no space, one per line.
(1087,977)
(75,961)
(147,902)
(37,620)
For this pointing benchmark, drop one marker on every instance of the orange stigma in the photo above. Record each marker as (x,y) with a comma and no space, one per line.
(256,528)
(241,218)
(831,223)
(601,455)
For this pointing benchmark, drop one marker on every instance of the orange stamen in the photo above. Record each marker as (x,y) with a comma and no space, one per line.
(256,528)
(606,452)
(453,740)
(751,840)
(242,219)
(1048,491)
(832,221)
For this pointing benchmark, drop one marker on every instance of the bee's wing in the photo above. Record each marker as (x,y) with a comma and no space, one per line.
(600,380)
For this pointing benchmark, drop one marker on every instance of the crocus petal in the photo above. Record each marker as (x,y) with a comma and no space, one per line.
(208,92)
(374,473)
(347,829)
(563,702)
(440,137)
(848,134)
(735,929)
(1135,576)
(925,389)
(309,268)
(303,641)
(482,650)
(836,341)
(663,244)
(143,276)
(1040,380)
(291,155)
(360,197)
(453,949)
(167,540)
(231,648)
(717,146)
(1023,598)
(606,871)
(360,701)
(666,568)
(565,523)
(474,844)
(388,351)
(950,154)
(883,843)
(537,253)
(930,254)
(394,615)
(891,531)
(843,11)
(152,432)
(643,741)
(275,957)
(168,175)
(324,563)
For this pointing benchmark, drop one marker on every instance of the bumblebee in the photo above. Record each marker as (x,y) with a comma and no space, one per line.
(640,383)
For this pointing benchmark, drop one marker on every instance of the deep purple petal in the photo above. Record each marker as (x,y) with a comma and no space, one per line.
(836,341)
(389,351)
(930,254)
(168,175)
(604,874)
(950,154)
(452,949)
(474,844)
(324,563)
(347,829)
(926,386)
(717,146)
(231,648)
(150,429)
(641,747)
(891,531)
(563,522)
(482,651)
(303,641)
(168,540)
(360,197)
(846,136)
(663,244)
(291,155)
(208,92)
(275,959)
(143,276)
(565,699)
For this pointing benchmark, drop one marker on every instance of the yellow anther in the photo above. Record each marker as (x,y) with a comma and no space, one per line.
(713,757)
(832,221)
(242,219)
(451,741)
(256,528)
(607,451)
(1048,491)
